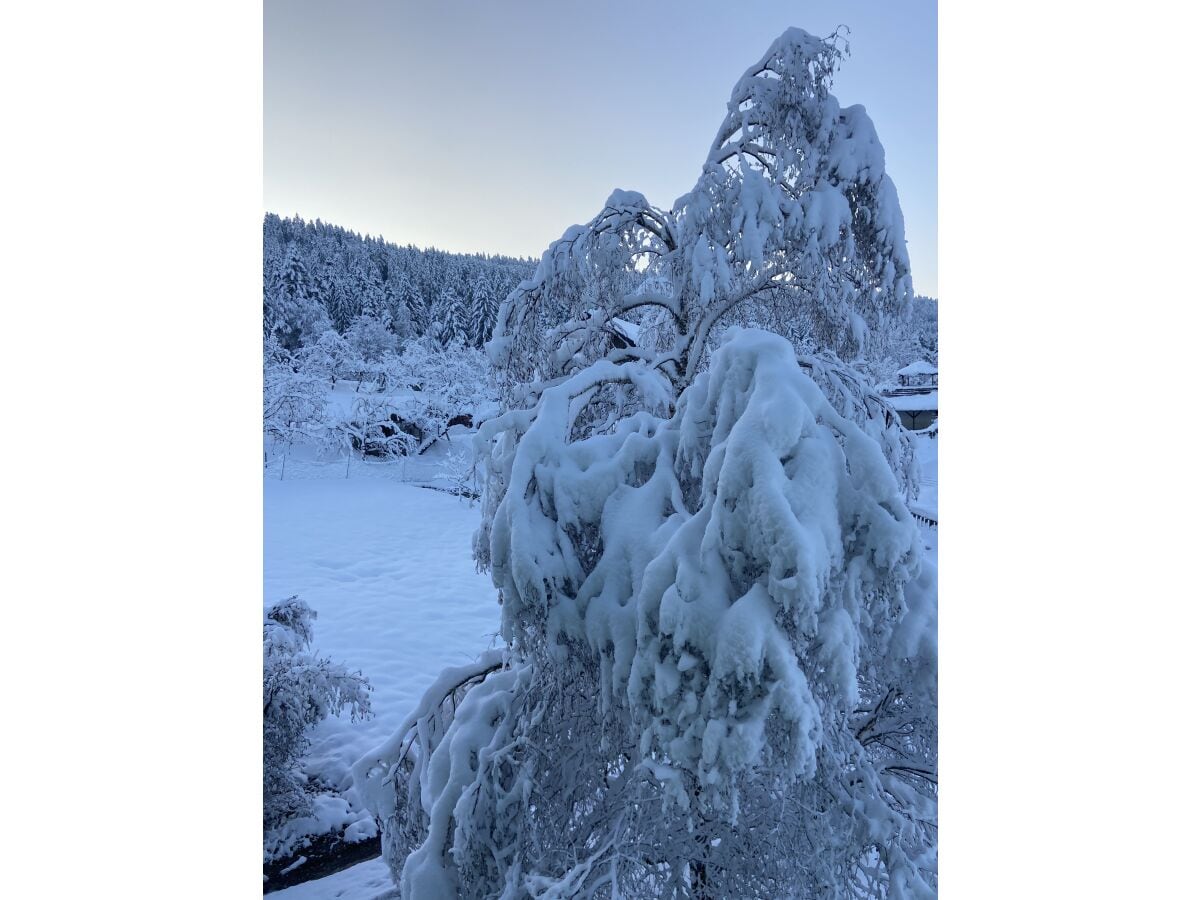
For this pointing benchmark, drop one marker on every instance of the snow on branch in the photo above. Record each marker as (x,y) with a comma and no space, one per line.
(793,218)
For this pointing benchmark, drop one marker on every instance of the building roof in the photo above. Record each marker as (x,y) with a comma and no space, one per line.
(914,402)
(919,367)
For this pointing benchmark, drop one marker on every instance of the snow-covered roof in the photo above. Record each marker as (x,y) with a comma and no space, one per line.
(920,367)
(914,402)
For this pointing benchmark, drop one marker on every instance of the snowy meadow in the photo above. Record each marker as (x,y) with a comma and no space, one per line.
(612,574)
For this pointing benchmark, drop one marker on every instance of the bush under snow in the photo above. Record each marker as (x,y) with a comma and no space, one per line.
(300,689)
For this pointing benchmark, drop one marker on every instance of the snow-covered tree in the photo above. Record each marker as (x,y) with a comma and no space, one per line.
(449,384)
(720,675)
(448,318)
(923,328)
(901,341)
(398,315)
(482,315)
(341,294)
(371,342)
(458,470)
(850,392)
(330,355)
(372,294)
(719,671)
(377,426)
(294,397)
(300,688)
(292,311)
(793,226)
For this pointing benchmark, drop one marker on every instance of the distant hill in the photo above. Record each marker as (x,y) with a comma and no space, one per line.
(317,275)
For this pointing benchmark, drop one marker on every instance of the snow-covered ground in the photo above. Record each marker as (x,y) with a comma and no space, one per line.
(388,568)
(927,456)
(926,503)
(368,880)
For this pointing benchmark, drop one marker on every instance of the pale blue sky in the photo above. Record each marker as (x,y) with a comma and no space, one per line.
(492,126)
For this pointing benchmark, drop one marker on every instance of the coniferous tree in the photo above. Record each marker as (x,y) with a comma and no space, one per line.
(336,295)
(483,311)
(292,311)
(414,304)
(448,318)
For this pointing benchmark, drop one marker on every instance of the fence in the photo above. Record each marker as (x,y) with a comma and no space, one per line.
(926,519)
(446,467)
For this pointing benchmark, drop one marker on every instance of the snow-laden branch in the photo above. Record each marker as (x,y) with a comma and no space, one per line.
(375,771)
(794,189)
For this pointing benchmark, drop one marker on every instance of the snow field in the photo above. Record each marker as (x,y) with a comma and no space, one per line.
(388,568)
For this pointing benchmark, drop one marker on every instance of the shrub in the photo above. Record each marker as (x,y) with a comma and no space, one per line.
(300,689)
